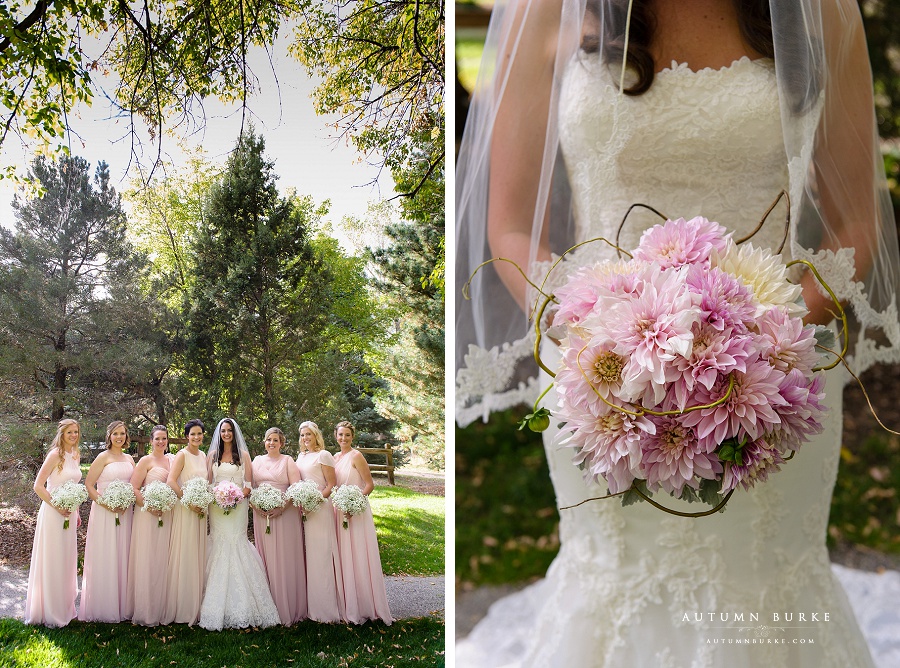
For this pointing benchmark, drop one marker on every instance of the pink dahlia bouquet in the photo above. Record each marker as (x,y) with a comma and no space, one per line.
(686,368)
(227,495)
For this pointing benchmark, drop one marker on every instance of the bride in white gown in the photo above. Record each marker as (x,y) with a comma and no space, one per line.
(237,592)
(558,147)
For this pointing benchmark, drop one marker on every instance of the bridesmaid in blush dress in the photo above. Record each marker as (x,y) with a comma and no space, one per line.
(282,548)
(187,546)
(146,595)
(364,593)
(324,583)
(105,579)
(53,576)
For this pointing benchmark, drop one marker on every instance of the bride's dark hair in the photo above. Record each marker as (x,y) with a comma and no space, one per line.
(754,19)
(235,450)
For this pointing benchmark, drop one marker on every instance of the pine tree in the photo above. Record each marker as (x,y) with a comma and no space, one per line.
(259,299)
(68,278)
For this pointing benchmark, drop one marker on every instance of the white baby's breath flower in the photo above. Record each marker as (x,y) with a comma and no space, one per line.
(350,500)
(765,274)
(158,496)
(118,496)
(266,498)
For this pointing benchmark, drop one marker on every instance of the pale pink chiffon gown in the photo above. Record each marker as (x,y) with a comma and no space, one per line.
(324,583)
(53,576)
(187,553)
(105,581)
(146,596)
(364,593)
(282,548)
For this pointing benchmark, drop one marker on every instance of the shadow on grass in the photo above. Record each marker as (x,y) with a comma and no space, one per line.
(408,643)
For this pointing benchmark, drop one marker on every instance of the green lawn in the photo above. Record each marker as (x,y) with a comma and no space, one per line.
(417,642)
(506,519)
(410,531)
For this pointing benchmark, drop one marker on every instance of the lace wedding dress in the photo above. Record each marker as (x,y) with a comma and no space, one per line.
(237,592)
(635,587)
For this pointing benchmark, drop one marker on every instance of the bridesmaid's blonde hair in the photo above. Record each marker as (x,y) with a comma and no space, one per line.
(314,428)
(109,431)
(57,440)
(275,430)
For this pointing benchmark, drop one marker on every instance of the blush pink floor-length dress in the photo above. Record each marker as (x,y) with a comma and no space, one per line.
(282,548)
(324,581)
(53,576)
(364,593)
(187,553)
(105,581)
(146,595)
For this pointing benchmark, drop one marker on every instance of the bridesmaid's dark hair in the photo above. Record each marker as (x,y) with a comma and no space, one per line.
(235,450)
(191,424)
(159,427)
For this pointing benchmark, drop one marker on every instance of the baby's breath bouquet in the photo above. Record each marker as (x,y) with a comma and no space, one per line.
(196,493)
(350,500)
(158,496)
(306,496)
(266,498)
(69,496)
(118,496)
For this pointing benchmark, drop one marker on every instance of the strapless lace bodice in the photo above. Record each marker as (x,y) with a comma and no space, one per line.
(683,148)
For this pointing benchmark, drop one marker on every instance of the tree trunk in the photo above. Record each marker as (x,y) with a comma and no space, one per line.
(57,392)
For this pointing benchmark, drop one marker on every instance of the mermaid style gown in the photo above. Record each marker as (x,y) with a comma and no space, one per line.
(635,586)
(236,592)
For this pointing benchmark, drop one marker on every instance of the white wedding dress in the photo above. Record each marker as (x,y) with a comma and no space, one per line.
(237,591)
(634,587)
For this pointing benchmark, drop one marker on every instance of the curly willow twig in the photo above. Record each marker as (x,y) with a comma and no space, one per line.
(841,313)
(787,221)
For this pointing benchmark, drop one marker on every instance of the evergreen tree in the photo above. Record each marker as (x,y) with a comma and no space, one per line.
(73,317)
(259,299)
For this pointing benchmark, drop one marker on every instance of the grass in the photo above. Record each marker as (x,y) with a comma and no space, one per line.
(417,642)
(865,509)
(410,530)
(506,520)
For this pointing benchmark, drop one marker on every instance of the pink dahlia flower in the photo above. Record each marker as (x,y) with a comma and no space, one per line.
(759,459)
(679,242)
(649,331)
(786,343)
(673,457)
(725,302)
(713,353)
(607,446)
(802,410)
(587,372)
(750,410)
